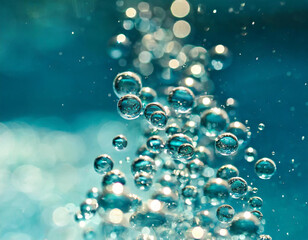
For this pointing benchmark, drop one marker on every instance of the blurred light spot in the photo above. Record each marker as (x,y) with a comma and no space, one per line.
(61,216)
(247,215)
(196,69)
(182,58)
(223,232)
(197,232)
(117,188)
(219,49)
(206,100)
(173,63)
(115,216)
(230,102)
(217,65)
(145,57)
(28,179)
(131,12)
(167,177)
(167,190)
(146,69)
(143,6)
(159,34)
(146,231)
(180,8)
(121,38)
(155,205)
(189,81)
(128,24)
(181,29)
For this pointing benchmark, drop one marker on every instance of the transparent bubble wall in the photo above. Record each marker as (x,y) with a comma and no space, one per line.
(170,127)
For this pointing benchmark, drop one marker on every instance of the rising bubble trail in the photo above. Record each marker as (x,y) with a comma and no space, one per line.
(184,181)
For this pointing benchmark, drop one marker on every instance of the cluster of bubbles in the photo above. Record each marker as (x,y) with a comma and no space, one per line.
(189,140)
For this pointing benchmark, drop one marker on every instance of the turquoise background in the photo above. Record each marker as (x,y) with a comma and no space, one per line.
(52,80)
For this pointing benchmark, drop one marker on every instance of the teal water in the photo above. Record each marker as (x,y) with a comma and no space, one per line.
(59,109)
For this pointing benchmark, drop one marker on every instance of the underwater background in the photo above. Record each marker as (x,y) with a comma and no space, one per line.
(58,109)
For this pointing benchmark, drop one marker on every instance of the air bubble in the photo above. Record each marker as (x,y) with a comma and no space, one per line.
(217,190)
(265,168)
(250,154)
(245,223)
(167,196)
(119,142)
(226,144)
(79,217)
(204,218)
(214,122)
(151,108)
(93,193)
(159,119)
(227,171)
(181,99)
(258,214)
(241,132)
(195,168)
(89,206)
(114,176)
(191,129)
(147,95)
(136,201)
(103,164)
(143,151)
(155,144)
(186,151)
(190,192)
(119,46)
(220,57)
(175,141)
(143,181)
(115,198)
(127,83)
(261,126)
(238,187)
(225,213)
(129,107)
(204,154)
(203,103)
(255,202)
(172,129)
(143,164)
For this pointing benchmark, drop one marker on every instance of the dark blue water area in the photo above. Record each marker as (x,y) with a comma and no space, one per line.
(54,62)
